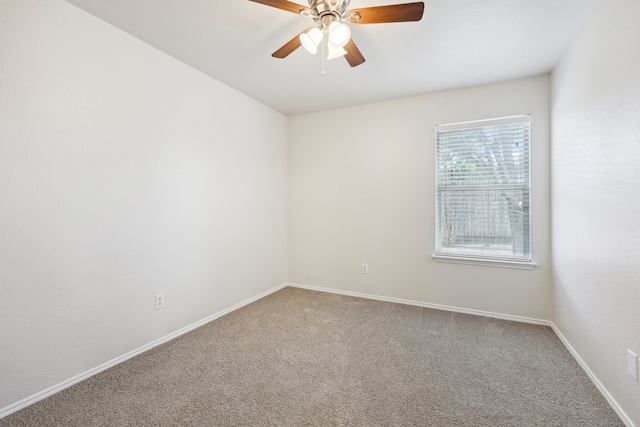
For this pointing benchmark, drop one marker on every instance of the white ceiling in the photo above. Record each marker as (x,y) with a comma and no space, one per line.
(457,43)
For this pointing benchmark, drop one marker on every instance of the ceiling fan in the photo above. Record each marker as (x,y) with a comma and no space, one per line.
(331,17)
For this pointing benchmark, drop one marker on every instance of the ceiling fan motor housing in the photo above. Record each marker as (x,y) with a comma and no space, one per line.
(324,12)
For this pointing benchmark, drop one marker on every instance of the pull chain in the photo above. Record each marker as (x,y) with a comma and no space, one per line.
(323,73)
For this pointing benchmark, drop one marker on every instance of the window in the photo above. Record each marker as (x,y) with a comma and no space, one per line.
(483,192)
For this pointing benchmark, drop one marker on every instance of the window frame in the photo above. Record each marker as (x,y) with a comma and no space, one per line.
(474,259)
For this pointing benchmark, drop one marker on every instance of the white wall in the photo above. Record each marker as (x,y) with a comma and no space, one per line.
(123,173)
(596,196)
(361,189)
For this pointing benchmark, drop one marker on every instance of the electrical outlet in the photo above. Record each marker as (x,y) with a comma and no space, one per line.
(632,364)
(159,301)
(365,268)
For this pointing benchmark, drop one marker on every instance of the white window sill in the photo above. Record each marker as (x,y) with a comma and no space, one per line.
(520,265)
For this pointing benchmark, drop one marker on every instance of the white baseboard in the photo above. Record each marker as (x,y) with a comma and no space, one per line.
(603,390)
(91,372)
(427,305)
(605,393)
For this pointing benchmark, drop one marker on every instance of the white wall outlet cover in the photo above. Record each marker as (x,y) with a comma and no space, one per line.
(159,301)
(365,268)
(632,364)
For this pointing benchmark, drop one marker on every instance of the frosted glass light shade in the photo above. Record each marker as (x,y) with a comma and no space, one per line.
(311,39)
(336,51)
(339,34)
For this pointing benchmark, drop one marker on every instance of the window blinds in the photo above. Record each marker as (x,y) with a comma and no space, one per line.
(482,194)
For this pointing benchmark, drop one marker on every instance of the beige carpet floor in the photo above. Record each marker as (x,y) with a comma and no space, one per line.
(305,358)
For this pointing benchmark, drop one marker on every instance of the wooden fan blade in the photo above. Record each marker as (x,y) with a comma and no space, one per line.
(392,13)
(353,56)
(290,46)
(282,4)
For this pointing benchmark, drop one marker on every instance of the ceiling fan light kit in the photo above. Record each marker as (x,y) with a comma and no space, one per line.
(338,36)
(332,17)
